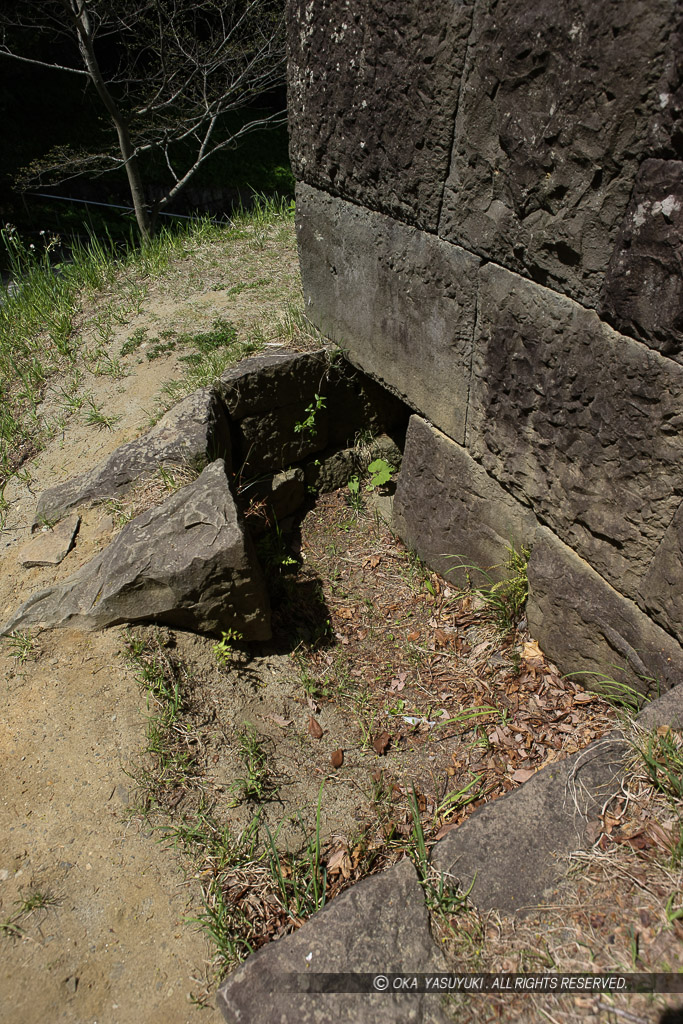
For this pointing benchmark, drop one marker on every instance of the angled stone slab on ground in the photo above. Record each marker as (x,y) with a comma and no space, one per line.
(51,546)
(667,710)
(195,429)
(187,563)
(514,849)
(380,925)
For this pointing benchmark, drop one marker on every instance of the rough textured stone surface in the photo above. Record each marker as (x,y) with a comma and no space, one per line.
(451,512)
(643,290)
(195,430)
(380,925)
(583,624)
(556,112)
(667,710)
(660,591)
(516,848)
(399,302)
(281,494)
(269,397)
(373,90)
(335,469)
(187,563)
(581,423)
(51,546)
(266,382)
(357,406)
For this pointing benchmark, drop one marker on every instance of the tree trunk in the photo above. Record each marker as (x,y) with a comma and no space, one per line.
(79,15)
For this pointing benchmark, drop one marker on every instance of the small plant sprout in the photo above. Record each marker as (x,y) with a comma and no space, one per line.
(224,649)
(258,783)
(96,418)
(22,645)
(381,473)
(504,597)
(354,498)
(307,426)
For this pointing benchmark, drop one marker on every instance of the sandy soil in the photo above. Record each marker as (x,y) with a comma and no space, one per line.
(111,946)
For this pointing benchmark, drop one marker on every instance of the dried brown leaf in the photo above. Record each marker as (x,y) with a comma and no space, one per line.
(314,728)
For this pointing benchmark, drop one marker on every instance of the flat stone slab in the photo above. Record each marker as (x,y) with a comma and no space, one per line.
(51,546)
(381,925)
(194,430)
(187,563)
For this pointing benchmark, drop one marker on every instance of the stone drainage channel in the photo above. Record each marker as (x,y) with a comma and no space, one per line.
(255,443)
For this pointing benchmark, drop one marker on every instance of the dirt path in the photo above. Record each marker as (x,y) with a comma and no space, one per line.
(105,940)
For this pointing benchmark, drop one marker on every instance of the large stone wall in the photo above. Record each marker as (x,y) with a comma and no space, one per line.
(490,218)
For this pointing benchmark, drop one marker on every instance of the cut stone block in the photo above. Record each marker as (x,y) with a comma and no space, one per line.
(556,113)
(195,430)
(581,423)
(451,512)
(584,625)
(51,546)
(643,290)
(187,563)
(372,95)
(379,925)
(265,382)
(399,302)
(661,591)
(514,849)
(269,399)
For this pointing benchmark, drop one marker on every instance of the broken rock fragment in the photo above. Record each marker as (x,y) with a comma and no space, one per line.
(51,546)
(187,563)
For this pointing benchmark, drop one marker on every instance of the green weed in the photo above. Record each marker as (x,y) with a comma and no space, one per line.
(307,426)
(258,784)
(381,473)
(621,695)
(22,645)
(95,417)
(442,898)
(505,597)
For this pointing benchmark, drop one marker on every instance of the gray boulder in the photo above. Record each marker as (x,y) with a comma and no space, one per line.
(270,400)
(195,430)
(187,563)
(513,850)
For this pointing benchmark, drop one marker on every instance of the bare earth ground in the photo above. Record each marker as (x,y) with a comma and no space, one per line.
(113,948)
(405,677)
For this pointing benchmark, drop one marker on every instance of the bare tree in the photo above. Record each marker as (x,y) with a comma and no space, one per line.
(171,75)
